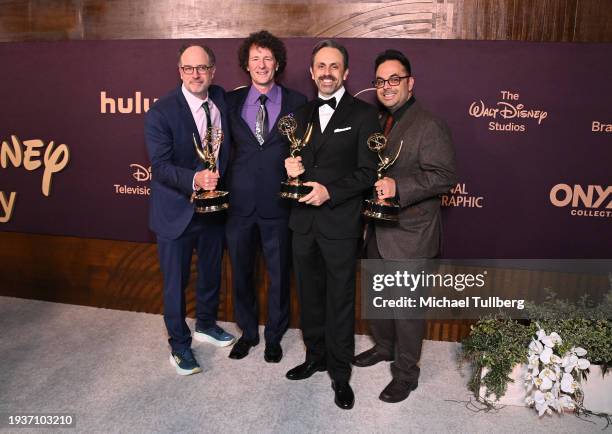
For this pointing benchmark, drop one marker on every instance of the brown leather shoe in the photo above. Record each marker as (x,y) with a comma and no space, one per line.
(369,358)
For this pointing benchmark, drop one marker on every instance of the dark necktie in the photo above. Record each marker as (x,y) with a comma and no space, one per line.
(261,122)
(208,121)
(388,125)
(330,102)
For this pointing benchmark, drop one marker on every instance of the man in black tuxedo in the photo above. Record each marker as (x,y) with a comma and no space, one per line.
(257,214)
(326,223)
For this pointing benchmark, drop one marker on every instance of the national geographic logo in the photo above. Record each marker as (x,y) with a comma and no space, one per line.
(589,201)
(459,197)
(137,104)
(507,109)
(601,127)
(140,173)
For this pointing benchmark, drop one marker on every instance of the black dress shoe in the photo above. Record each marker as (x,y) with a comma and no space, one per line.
(241,348)
(369,358)
(344,396)
(306,369)
(273,353)
(397,390)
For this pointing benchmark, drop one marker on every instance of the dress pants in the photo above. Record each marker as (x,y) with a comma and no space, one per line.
(205,234)
(398,339)
(325,273)
(244,234)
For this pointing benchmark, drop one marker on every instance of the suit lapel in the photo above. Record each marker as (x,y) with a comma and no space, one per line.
(399,130)
(224,148)
(238,115)
(283,111)
(342,112)
(186,114)
(309,116)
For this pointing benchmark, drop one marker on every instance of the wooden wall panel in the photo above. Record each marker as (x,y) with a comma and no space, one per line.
(524,20)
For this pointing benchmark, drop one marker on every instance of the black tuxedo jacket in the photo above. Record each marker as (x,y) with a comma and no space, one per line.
(256,172)
(339,159)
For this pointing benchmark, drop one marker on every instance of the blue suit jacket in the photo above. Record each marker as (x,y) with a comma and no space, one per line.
(256,172)
(169,130)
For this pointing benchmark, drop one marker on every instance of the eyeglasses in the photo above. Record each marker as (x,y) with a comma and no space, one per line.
(188,69)
(393,81)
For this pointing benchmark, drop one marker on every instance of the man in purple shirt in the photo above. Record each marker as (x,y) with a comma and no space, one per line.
(257,215)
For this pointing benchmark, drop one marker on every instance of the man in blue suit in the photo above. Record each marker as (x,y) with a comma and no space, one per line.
(170,127)
(257,215)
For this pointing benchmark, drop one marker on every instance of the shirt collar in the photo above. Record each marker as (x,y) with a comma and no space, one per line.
(273,95)
(193,101)
(397,114)
(337,94)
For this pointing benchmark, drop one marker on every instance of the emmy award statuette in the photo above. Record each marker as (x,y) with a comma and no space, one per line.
(209,201)
(294,188)
(382,209)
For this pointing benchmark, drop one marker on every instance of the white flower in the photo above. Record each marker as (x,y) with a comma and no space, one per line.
(551,340)
(566,402)
(546,372)
(545,355)
(549,382)
(569,361)
(545,382)
(568,385)
(579,351)
(535,346)
(583,364)
(540,402)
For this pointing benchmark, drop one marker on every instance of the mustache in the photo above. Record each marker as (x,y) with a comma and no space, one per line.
(327,77)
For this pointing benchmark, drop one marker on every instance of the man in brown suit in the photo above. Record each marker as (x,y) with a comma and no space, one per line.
(424,169)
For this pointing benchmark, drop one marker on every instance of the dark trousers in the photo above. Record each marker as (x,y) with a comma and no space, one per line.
(244,234)
(205,234)
(325,272)
(399,339)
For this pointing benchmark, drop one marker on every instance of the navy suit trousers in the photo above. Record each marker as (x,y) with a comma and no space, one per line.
(244,234)
(205,234)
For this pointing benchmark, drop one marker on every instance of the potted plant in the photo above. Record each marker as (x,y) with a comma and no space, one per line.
(551,362)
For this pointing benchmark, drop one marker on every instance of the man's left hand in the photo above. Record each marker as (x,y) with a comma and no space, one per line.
(318,196)
(385,188)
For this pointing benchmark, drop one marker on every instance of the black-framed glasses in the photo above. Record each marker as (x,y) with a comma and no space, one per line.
(188,69)
(393,81)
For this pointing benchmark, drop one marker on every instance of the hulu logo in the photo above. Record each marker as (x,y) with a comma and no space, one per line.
(136,104)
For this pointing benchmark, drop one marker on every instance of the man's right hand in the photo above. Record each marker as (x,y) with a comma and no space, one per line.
(206,179)
(294,167)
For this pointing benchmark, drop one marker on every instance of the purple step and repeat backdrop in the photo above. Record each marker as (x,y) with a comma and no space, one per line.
(531,123)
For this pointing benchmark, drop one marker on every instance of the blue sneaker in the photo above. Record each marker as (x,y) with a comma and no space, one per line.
(184,362)
(214,335)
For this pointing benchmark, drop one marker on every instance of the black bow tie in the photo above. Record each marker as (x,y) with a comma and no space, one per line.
(331,102)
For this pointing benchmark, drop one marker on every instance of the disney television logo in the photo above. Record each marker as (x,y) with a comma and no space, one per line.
(140,173)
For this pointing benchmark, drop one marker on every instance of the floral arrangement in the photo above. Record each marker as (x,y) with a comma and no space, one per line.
(550,382)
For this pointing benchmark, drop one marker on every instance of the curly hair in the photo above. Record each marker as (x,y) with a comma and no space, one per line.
(263,39)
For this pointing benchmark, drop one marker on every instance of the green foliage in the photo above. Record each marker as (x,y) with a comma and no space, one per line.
(498,343)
